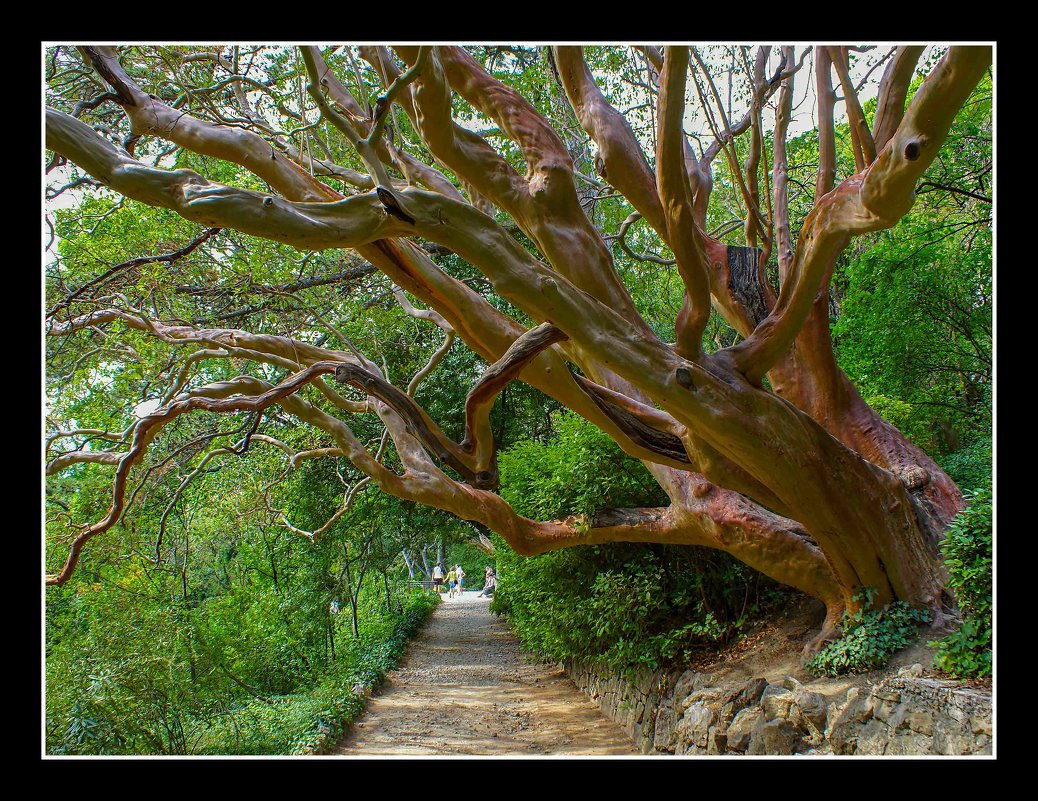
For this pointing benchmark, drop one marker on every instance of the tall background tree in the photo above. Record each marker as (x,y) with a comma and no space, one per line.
(308,216)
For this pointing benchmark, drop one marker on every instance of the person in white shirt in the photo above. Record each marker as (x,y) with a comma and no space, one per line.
(488,583)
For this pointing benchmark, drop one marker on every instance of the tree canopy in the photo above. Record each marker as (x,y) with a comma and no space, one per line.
(282,277)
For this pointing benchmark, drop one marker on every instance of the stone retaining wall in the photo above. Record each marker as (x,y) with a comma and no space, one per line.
(703,713)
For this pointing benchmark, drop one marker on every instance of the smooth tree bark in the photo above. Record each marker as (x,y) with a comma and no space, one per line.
(795,476)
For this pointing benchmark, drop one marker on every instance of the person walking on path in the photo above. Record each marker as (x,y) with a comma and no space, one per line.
(461,579)
(437,577)
(452,582)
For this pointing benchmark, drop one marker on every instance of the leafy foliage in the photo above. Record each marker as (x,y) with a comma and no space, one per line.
(120,697)
(221,640)
(912,306)
(870,637)
(313,718)
(967,555)
(970,467)
(626,605)
(580,471)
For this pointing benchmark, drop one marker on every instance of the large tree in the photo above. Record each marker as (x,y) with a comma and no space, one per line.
(763,447)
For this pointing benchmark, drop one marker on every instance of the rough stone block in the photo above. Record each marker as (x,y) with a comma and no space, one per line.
(664,738)
(777,702)
(920,722)
(741,727)
(647,681)
(750,693)
(845,728)
(860,704)
(779,737)
(873,738)
(812,708)
(896,719)
(702,680)
(909,744)
(623,713)
(637,732)
(883,692)
(683,687)
(950,738)
(708,695)
(790,683)
(695,724)
(716,741)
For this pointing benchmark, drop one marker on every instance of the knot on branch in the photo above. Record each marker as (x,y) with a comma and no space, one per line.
(392,205)
(684,378)
(700,489)
(915,478)
(914,149)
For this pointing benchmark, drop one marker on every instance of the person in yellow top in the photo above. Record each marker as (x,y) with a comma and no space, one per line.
(452,582)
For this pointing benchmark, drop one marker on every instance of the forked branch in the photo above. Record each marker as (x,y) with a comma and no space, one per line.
(871,201)
(474,458)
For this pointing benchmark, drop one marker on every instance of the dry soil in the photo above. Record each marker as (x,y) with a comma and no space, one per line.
(464,688)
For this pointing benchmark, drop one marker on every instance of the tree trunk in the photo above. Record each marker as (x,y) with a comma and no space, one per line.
(806,483)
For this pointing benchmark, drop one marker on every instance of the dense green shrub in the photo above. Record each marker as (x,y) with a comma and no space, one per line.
(869,638)
(126,688)
(314,717)
(967,555)
(970,467)
(580,471)
(626,605)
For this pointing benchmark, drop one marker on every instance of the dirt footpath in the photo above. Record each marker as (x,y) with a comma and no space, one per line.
(463,688)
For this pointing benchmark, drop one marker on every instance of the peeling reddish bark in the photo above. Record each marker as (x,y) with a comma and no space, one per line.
(809,378)
(808,485)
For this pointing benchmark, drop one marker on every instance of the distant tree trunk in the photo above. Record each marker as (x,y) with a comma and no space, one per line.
(409,563)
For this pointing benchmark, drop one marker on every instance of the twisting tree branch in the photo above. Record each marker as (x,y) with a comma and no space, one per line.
(683,233)
(864,147)
(474,458)
(893,88)
(146,431)
(869,202)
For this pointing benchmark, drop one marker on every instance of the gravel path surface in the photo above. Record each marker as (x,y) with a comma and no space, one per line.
(464,688)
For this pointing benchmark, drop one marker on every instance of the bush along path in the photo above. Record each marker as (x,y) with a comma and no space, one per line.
(344,696)
(463,688)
